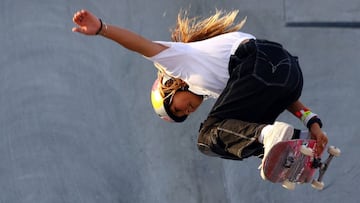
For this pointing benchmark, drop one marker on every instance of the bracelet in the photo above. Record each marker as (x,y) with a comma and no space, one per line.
(101,26)
(314,120)
(308,118)
(103,33)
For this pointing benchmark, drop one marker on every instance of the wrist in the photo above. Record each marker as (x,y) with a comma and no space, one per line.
(314,121)
(314,128)
(102,29)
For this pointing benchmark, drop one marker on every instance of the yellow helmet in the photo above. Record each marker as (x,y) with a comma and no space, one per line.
(161,104)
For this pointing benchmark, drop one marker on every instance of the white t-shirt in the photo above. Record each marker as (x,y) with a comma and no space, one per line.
(203,65)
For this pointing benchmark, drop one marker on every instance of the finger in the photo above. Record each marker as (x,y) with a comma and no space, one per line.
(76,17)
(84,12)
(319,151)
(76,29)
(78,14)
(320,147)
(76,21)
(79,30)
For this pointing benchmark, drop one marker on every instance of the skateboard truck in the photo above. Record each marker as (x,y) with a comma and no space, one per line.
(323,166)
(289,161)
(317,163)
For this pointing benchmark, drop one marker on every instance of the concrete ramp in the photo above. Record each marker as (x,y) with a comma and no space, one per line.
(314,13)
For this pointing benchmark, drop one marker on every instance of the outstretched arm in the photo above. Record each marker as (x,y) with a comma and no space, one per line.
(314,128)
(88,24)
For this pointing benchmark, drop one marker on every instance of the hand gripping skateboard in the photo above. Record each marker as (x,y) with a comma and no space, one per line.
(293,162)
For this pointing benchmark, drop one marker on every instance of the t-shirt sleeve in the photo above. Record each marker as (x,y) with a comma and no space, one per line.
(175,60)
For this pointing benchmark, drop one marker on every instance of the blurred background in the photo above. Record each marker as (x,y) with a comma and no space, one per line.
(76,123)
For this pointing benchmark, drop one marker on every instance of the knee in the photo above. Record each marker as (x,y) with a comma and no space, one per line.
(205,149)
(205,143)
(210,145)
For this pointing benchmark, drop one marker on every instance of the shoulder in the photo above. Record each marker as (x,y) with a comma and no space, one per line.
(235,35)
(174,49)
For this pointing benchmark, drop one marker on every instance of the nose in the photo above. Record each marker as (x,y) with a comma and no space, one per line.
(189,110)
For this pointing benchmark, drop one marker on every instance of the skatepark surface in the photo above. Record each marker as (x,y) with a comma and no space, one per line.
(77,126)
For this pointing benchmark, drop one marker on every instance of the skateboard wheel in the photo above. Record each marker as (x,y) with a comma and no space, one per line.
(334,151)
(289,185)
(317,185)
(306,151)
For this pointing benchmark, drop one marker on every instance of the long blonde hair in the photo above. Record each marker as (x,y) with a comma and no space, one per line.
(196,29)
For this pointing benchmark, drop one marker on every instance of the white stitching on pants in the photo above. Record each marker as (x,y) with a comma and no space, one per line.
(285,61)
(235,133)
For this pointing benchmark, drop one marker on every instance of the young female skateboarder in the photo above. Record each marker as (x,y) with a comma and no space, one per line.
(253,81)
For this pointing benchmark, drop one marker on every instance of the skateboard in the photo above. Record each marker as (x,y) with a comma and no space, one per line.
(293,162)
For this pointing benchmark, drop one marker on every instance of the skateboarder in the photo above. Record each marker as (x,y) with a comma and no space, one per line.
(253,81)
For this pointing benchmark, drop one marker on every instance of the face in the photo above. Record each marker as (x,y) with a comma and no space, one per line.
(184,103)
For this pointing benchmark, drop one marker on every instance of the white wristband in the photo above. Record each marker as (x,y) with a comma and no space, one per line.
(307,116)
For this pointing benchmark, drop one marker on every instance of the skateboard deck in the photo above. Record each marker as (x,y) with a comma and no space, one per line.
(293,162)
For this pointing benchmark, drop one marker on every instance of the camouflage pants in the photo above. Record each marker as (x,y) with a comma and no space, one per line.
(264,80)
